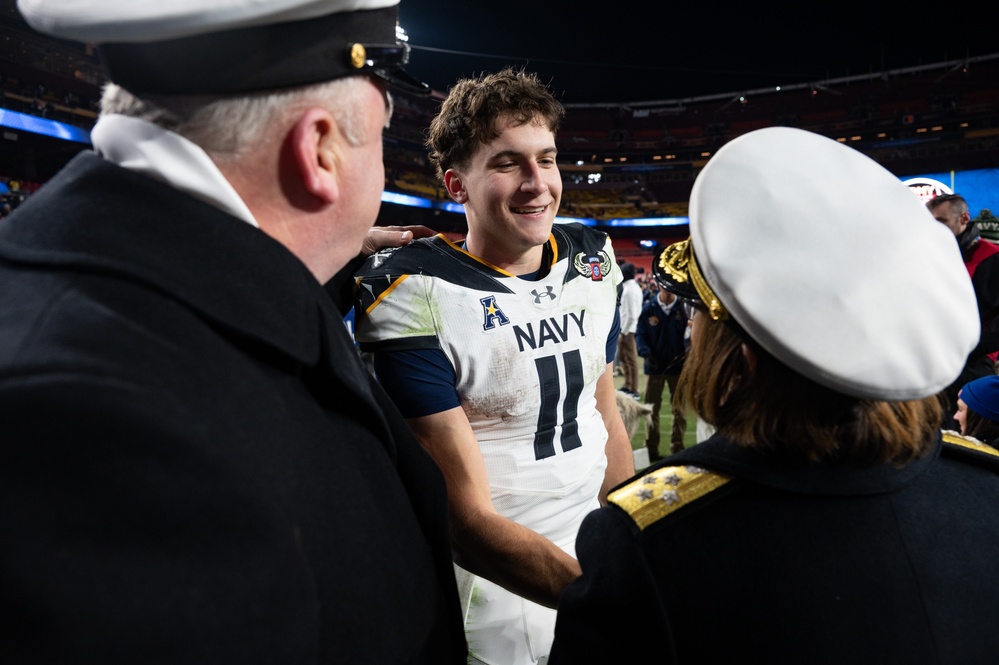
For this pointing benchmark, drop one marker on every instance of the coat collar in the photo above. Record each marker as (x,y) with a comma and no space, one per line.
(772,470)
(99,217)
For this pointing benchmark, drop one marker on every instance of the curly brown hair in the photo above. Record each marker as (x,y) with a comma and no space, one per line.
(771,407)
(467,117)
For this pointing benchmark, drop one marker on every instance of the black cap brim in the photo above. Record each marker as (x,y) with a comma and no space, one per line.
(267,57)
(400,79)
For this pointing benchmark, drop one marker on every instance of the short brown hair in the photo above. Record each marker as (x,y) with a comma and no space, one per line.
(940,199)
(774,408)
(467,117)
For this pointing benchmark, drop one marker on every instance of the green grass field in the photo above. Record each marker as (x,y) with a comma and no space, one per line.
(665,420)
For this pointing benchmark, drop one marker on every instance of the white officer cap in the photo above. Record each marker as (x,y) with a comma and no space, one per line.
(231,46)
(830,263)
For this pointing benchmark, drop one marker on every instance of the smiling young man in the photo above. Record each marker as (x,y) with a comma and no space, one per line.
(499,352)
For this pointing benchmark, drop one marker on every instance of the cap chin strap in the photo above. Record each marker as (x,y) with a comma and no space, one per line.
(716,310)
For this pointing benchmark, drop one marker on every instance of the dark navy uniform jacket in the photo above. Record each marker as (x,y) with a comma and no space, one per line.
(723,555)
(196,467)
(660,337)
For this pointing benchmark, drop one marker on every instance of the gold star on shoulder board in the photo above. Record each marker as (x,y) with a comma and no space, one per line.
(653,496)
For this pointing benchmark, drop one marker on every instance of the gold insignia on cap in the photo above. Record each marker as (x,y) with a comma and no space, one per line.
(678,261)
(665,490)
(673,261)
(358,56)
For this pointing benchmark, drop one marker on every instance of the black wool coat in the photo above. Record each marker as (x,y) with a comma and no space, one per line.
(195,466)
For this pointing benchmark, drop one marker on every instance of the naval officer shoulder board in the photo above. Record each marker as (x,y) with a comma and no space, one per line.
(969,449)
(663,491)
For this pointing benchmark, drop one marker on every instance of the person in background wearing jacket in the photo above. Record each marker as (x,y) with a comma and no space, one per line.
(981,258)
(978,409)
(661,339)
(630,307)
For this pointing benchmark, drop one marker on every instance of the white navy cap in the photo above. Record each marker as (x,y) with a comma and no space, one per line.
(830,263)
(231,46)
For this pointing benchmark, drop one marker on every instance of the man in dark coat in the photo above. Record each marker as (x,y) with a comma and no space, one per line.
(828,520)
(661,339)
(197,468)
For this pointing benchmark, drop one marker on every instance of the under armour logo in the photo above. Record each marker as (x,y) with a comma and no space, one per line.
(550,293)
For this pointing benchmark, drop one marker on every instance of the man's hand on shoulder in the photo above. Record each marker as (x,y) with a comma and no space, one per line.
(380,237)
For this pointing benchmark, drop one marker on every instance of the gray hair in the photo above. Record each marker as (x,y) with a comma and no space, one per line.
(228,127)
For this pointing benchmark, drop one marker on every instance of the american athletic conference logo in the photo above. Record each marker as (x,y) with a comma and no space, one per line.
(595,266)
(492,314)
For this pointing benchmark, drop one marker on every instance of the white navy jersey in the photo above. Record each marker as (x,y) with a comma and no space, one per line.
(526,357)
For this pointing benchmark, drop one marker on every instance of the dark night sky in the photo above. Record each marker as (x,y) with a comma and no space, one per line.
(644,50)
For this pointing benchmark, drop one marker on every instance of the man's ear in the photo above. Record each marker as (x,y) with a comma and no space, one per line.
(455,187)
(315,142)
